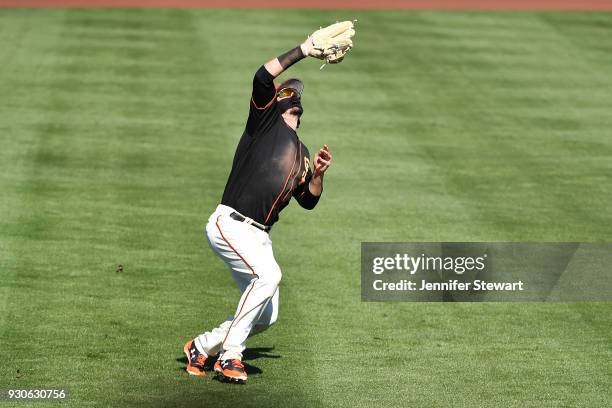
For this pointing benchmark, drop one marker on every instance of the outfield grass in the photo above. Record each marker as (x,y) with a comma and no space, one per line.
(117,132)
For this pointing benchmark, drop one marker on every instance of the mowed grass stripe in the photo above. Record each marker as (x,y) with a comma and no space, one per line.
(449,155)
(17,184)
(450,84)
(119,158)
(133,177)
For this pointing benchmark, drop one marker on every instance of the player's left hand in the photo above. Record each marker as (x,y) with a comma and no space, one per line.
(331,43)
(322,161)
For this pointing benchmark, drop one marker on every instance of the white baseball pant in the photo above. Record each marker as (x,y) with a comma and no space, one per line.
(247,251)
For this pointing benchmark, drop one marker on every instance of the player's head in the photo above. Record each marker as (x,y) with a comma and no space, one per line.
(289,97)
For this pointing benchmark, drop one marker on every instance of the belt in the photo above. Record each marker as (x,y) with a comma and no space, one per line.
(239,217)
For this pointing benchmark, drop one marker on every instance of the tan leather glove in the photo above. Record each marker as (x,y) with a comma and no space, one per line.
(333,42)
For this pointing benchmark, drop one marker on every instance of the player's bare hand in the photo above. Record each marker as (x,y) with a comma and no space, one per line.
(323,160)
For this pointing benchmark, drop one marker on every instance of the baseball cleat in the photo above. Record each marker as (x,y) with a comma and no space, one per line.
(233,370)
(195,359)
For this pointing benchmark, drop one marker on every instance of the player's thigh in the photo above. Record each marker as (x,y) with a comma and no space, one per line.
(231,243)
(245,248)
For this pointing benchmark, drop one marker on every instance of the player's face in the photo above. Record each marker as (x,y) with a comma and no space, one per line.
(290,100)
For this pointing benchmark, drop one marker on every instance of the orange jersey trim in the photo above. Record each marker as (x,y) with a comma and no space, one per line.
(266,106)
(284,186)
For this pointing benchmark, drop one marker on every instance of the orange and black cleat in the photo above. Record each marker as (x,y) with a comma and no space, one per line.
(232,370)
(195,359)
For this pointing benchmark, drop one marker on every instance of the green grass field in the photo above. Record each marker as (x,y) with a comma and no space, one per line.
(117,132)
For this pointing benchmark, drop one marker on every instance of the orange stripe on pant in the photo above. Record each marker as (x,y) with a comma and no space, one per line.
(252,282)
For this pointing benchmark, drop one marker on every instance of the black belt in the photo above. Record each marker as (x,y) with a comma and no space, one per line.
(239,217)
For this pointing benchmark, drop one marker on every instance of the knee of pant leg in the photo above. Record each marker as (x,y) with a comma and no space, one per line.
(273,276)
(270,275)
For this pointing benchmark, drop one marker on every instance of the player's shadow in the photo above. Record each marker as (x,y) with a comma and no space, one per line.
(259,352)
(248,355)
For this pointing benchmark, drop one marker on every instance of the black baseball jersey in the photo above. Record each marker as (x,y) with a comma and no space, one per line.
(271,164)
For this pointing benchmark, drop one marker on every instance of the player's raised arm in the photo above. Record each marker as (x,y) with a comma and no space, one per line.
(277,65)
(263,82)
(330,44)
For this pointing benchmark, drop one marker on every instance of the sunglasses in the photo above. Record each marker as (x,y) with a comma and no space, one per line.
(285,92)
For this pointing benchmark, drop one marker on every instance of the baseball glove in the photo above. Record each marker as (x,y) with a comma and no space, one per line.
(331,43)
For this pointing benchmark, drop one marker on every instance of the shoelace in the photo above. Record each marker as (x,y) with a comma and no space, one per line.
(236,363)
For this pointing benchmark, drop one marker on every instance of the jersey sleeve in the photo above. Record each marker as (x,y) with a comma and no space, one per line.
(263,108)
(303,195)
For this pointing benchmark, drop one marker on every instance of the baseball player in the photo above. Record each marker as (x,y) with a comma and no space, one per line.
(271,165)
